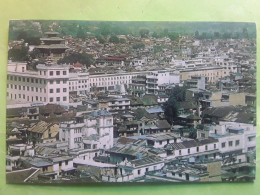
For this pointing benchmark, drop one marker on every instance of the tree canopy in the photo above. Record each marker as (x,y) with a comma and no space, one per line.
(73,58)
(20,53)
(171,109)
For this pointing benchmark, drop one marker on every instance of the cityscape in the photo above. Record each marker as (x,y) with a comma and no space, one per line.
(92,101)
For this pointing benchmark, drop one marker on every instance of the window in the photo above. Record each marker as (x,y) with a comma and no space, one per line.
(188,151)
(230,143)
(51,90)
(51,82)
(206,147)
(60,163)
(51,99)
(160,142)
(66,162)
(64,98)
(146,169)
(198,149)
(180,175)
(252,138)
(58,90)
(51,73)
(57,99)
(32,88)
(58,82)
(32,80)
(179,152)
(223,145)
(64,72)
(139,171)
(237,142)
(57,72)
(64,89)
(215,146)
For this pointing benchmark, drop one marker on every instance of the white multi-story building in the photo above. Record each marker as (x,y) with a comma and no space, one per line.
(228,64)
(47,84)
(79,83)
(92,131)
(235,138)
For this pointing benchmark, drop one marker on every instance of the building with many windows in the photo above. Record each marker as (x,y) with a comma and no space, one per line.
(47,84)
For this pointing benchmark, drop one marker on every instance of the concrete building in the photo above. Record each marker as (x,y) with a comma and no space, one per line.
(92,130)
(211,73)
(47,84)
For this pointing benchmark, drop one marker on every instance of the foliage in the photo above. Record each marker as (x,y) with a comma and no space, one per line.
(178,93)
(138,46)
(173,36)
(171,109)
(72,58)
(34,53)
(101,39)
(19,53)
(144,32)
(192,133)
(121,40)
(157,49)
(81,33)
(113,39)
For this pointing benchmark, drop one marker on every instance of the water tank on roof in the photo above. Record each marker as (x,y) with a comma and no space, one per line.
(139,155)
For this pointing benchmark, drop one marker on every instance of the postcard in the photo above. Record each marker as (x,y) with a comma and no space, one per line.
(99,101)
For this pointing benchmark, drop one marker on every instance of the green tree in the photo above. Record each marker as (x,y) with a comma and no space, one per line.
(178,93)
(19,53)
(173,36)
(245,33)
(157,49)
(138,46)
(216,35)
(192,133)
(105,29)
(144,32)
(81,34)
(73,58)
(34,53)
(113,39)
(197,35)
(171,109)
(101,39)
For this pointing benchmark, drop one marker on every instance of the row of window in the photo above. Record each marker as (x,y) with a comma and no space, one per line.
(77,130)
(77,139)
(112,78)
(33,80)
(58,90)
(57,72)
(230,143)
(23,79)
(108,83)
(58,99)
(26,88)
(23,96)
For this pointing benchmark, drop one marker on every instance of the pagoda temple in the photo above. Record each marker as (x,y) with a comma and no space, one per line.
(52,47)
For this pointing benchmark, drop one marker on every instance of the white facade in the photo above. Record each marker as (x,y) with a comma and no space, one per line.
(234,136)
(93,132)
(48,84)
